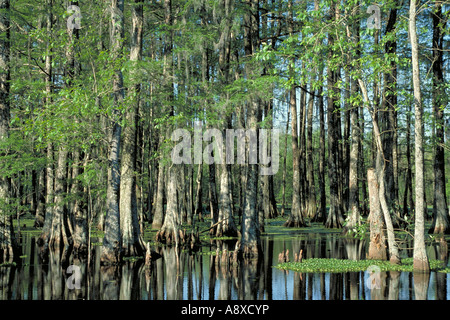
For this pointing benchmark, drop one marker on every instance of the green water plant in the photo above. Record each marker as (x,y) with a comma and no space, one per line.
(319,265)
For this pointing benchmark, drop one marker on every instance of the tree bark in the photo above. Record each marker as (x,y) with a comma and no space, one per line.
(40,196)
(79,210)
(354,215)
(283,181)
(249,245)
(354,156)
(213,201)
(169,232)
(387,122)
(335,215)
(380,167)
(377,245)
(322,163)
(49,172)
(111,250)
(129,220)
(420,256)
(440,100)
(198,211)
(269,202)
(346,145)
(8,243)
(295,217)
(59,234)
(158,217)
(301,148)
(227,227)
(408,202)
(362,165)
(311,205)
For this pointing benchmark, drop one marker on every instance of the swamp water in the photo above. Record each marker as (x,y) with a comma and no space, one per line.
(201,275)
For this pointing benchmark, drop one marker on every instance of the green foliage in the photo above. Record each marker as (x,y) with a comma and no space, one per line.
(320,265)
(358,231)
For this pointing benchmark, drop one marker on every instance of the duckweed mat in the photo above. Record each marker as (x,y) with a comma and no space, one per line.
(318,265)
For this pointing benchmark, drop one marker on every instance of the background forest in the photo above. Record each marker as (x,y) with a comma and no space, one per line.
(90,96)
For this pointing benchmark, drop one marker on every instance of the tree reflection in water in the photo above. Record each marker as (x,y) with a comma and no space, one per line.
(209,274)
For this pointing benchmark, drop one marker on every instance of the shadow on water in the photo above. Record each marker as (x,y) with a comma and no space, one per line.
(210,274)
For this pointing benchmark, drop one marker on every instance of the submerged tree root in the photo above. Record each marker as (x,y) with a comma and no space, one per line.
(180,237)
(246,251)
(291,223)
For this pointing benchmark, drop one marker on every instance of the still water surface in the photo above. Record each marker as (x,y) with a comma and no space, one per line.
(184,275)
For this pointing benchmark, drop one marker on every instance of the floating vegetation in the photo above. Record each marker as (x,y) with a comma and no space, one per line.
(8,264)
(317,265)
(132,259)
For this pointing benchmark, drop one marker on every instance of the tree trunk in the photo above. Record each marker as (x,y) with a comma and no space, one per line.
(302,151)
(420,256)
(158,217)
(361,163)
(49,172)
(8,244)
(227,227)
(80,231)
(295,218)
(346,146)
(213,202)
(323,201)
(80,210)
(392,243)
(198,197)
(190,207)
(311,205)
(111,250)
(169,232)
(34,189)
(129,222)
(151,167)
(59,236)
(354,215)
(249,244)
(380,167)
(408,203)
(335,215)
(40,196)
(440,209)
(377,245)
(269,202)
(388,120)
(283,181)
(354,156)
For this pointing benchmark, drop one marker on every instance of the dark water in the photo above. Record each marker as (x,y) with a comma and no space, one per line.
(184,275)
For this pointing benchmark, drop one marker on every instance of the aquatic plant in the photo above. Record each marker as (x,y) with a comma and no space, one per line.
(317,265)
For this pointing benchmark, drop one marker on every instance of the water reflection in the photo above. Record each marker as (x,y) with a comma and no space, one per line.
(210,275)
